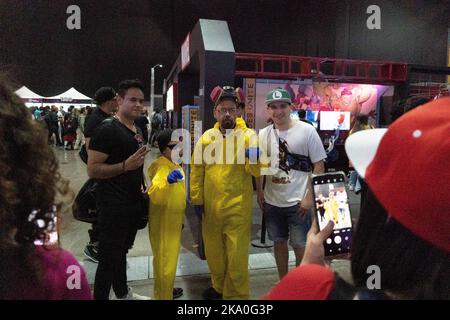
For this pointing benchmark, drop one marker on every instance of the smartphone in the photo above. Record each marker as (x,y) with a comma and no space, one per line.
(51,233)
(331,203)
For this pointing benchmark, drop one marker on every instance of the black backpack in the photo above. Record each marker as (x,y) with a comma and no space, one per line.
(85,208)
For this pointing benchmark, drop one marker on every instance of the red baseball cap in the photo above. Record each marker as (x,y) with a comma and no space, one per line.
(408,169)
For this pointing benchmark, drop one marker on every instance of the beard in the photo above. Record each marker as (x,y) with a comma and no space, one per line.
(227,123)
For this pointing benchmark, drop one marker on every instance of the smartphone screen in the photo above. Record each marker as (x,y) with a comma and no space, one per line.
(331,202)
(51,233)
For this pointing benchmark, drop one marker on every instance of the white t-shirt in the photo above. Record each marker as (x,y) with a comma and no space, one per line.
(286,186)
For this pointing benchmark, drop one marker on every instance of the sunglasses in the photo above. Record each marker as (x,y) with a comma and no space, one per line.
(171,146)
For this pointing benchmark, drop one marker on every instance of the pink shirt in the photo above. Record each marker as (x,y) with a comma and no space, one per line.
(63,279)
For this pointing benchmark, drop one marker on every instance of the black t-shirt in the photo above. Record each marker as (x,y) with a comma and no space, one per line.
(52,120)
(93,121)
(141,122)
(118,142)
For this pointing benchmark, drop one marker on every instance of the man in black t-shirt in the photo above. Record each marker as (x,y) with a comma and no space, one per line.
(115,159)
(105,97)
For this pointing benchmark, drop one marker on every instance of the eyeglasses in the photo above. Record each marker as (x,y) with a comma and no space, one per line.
(225,111)
(171,146)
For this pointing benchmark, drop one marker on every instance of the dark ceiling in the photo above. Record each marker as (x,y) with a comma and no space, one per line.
(124,39)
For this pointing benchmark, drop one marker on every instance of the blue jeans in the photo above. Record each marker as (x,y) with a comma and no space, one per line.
(285,224)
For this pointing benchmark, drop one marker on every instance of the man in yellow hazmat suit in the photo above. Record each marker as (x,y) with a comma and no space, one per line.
(167,195)
(225,159)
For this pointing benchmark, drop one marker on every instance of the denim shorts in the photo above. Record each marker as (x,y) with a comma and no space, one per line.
(285,224)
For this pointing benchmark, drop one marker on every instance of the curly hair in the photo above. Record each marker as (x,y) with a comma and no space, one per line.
(29,183)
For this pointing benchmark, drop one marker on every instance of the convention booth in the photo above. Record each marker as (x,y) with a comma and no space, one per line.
(333,92)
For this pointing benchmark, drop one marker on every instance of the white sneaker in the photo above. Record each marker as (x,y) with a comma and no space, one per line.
(132,296)
(351,188)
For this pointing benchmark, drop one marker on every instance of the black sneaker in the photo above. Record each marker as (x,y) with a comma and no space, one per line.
(91,251)
(211,294)
(177,292)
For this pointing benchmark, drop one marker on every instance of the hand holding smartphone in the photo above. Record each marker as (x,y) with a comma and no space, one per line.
(332,203)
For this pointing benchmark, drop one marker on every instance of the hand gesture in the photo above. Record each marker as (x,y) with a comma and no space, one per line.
(136,160)
(174,176)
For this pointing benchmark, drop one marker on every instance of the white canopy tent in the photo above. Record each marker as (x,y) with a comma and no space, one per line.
(29,97)
(26,93)
(71,97)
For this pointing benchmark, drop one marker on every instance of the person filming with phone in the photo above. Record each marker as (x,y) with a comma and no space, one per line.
(404,225)
(31,266)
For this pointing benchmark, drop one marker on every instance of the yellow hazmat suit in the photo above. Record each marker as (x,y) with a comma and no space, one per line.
(226,191)
(167,210)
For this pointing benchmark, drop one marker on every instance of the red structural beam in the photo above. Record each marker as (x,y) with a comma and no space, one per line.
(255,65)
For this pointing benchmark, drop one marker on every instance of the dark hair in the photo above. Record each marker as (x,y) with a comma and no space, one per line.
(163,139)
(301,113)
(363,119)
(409,104)
(241,105)
(29,182)
(127,84)
(409,265)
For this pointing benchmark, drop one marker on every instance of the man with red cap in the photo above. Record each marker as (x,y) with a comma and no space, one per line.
(404,225)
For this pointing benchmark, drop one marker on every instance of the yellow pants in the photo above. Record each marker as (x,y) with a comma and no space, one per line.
(226,247)
(165,238)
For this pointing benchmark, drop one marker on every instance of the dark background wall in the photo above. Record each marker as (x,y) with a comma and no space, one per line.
(124,39)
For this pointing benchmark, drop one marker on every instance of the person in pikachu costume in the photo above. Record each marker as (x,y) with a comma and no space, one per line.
(225,159)
(167,194)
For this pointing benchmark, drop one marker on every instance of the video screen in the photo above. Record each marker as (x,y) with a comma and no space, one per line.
(51,232)
(332,204)
(170,99)
(313,117)
(331,120)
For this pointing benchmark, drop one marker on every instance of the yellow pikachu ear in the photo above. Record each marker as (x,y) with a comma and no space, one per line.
(240,94)
(215,94)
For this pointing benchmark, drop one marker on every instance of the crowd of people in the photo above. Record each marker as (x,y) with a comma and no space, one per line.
(65,128)
(403,228)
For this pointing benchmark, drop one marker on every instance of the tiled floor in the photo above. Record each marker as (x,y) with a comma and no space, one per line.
(192,272)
